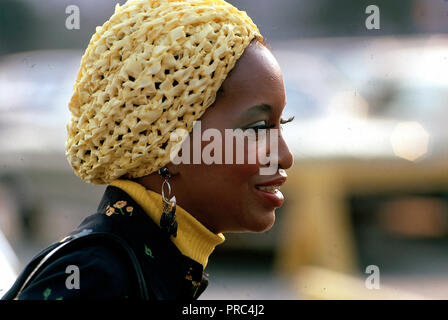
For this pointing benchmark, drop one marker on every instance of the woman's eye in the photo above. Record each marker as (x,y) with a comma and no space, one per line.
(262,124)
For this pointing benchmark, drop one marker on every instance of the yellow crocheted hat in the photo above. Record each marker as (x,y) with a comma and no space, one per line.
(155,66)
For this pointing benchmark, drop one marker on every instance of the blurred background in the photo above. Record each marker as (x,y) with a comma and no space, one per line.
(370,181)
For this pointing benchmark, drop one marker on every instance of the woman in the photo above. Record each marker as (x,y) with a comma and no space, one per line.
(155,70)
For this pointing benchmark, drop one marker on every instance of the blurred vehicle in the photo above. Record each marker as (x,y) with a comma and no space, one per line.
(370,179)
(364,88)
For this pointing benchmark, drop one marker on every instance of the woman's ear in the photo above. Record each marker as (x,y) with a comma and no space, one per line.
(173,169)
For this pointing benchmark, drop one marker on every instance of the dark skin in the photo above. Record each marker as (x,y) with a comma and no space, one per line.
(224,197)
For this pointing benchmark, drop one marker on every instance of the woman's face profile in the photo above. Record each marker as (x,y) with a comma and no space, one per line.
(228,197)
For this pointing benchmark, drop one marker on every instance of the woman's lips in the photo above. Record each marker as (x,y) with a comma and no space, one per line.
(270,192)
(273,198)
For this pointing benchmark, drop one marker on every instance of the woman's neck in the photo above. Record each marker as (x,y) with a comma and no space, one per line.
(184,199)
(193,238)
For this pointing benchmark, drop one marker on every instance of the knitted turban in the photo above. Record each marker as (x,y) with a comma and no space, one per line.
(155,66)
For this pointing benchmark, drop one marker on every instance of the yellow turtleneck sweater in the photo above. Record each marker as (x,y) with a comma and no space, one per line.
(193,239)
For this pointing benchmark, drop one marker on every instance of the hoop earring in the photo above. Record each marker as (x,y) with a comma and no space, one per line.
(168,221)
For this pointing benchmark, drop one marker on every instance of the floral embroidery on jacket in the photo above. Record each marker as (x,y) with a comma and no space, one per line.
(194,284)
(148,251)
(119,205)
(47,293)
(109,211)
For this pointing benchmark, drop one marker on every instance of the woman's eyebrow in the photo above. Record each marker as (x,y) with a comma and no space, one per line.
(256,110)
(249,115)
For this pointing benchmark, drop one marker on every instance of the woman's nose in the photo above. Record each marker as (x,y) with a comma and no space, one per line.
(285,157)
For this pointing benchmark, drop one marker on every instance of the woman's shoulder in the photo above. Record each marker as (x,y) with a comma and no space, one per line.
(88,270)
(92,262)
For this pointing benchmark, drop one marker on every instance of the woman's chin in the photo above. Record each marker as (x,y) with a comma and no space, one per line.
(263,221)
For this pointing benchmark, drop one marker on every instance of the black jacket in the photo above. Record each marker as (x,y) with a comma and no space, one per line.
(107,273)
